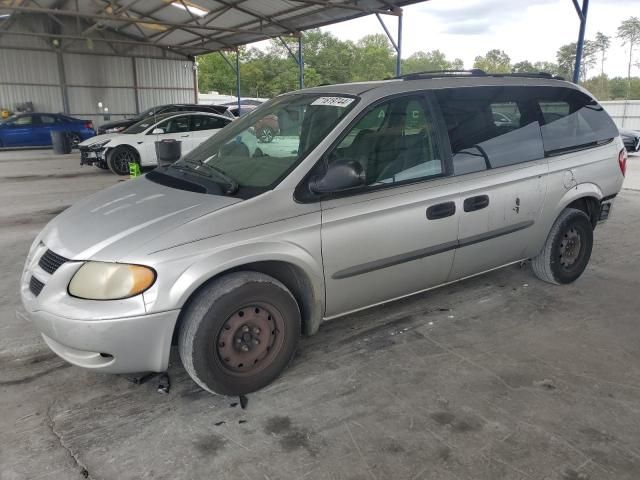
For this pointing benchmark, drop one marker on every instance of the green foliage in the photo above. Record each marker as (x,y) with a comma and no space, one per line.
(329,60)
(428,61)
(495,61)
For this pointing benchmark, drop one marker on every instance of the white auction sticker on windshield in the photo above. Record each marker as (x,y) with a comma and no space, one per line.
(333,101)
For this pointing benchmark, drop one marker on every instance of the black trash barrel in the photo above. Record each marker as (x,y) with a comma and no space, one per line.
(168,151)
(61,142)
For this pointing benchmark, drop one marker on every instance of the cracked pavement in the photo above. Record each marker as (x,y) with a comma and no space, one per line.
(497,377)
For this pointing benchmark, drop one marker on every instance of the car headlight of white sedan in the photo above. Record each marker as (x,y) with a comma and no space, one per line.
(110,281)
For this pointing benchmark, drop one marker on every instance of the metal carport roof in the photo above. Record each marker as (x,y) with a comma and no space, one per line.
(188,27)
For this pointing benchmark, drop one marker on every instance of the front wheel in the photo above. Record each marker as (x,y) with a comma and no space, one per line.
(119,159)
(567,250)
(239,333)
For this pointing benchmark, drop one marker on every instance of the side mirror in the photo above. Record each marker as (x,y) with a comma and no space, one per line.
(157,131)
(339,177)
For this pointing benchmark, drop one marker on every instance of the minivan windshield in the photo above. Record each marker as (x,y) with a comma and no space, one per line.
(261,148)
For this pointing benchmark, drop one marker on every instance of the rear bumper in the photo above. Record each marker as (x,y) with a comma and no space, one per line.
(606,207)
(120,345)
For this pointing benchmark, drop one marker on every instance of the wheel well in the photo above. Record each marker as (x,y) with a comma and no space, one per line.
(124,145)
(291,276)
(590,206)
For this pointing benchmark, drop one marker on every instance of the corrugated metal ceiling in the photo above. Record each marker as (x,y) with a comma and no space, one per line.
(193,27)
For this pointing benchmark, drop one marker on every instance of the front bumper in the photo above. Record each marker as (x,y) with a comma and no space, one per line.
(91,156)
(119,345)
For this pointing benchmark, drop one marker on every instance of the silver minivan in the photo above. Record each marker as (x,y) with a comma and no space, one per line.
(368,193)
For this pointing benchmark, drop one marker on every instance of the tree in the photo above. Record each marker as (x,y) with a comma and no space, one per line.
(374,58)
(523,67)
(566,56)
(629,33)
(495,61)
(429,61)
(548,67)
(602,44)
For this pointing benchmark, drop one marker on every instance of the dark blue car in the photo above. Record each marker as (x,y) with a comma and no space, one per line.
(34,129)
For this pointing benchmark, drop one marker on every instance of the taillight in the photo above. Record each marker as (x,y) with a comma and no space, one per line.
(89,125)
(622,161)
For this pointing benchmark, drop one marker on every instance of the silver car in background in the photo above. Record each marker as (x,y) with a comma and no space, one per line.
(370,192)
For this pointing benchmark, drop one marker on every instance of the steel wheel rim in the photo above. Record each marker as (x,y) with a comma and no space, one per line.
(570,248)
(250,339)
(122,160)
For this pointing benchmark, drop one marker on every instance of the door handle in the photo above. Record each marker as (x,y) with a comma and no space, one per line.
(472,204)
(184,136)
(441,210)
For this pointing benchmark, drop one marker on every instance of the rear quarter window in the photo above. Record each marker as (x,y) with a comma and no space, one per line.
(572,121)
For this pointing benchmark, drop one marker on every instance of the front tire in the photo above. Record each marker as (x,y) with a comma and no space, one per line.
(119,159)
(567,250)
(239,333)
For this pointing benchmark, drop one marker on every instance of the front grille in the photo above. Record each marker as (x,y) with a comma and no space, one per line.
(50,261)
(35,286)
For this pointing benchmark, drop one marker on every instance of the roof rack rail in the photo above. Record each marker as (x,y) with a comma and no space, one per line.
(441,73)
(474,73)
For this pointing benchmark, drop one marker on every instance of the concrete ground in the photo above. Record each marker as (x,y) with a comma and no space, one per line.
(497,377)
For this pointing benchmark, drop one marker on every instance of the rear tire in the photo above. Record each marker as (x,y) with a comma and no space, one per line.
(75,140)
(266,135)
(119,158)
(239,333)
(567,250)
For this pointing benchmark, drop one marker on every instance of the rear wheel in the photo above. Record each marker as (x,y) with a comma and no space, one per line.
(119,158)
(239,333)
(75,139)
(266,134)
(567,250)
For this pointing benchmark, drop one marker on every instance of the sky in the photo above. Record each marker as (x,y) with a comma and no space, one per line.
(525,29)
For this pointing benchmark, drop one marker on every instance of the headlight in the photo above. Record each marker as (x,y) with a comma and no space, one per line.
(98,145)
(110,281)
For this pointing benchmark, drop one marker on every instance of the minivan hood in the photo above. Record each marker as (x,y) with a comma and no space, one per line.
(113,222)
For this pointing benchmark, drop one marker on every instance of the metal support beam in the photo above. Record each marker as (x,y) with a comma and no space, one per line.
(300,62)
(134,69)
(399,58)
(299,59)
(582,14)
(238,80)
(127,19)
(63,82)
(397,45)
(236,70)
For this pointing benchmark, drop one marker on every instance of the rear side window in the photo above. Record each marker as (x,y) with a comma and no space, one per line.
(572,120)
(490,127)
(205,122)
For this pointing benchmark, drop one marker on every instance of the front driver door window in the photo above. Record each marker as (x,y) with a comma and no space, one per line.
(396,235)
(395,142)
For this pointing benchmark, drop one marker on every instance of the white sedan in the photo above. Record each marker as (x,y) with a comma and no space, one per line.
(136,144)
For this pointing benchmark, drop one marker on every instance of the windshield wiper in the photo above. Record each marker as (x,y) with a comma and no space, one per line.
(232,185)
